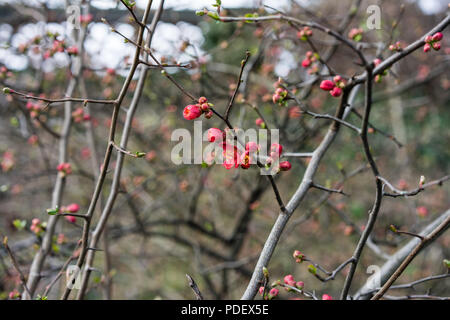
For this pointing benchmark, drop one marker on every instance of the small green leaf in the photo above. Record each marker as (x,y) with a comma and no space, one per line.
(312,269)
(52,212)
(55,248)
(19,224)
(140,154)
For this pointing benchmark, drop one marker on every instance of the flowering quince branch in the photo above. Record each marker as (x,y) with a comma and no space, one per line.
(424,241)
(120,156)
(404,193)
(306,183)
(51,101)
(107,157)
(58,189)
(396,259)
(379,186)
(342,87)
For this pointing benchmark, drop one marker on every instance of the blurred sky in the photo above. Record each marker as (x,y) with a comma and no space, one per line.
(107,49)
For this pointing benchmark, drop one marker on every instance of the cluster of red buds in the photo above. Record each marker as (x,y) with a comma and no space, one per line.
(193,111)
(298,256)
(234,158)
(4,73)
(57,46)
(280,94)
(275,154)
(304,33)
(334,87)
(34,108)
(309,62)
(433,42)
(7,161)
(78,115)
(36,226)
(355,34)
(64,168)
(398,46)
(290,281)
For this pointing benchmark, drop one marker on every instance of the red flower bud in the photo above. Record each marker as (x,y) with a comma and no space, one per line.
(426,47)
(327,85)
(336,92)
(192,112)
(428,39)
(306,63)
(436,46)
(300,285)
(71,219)
(73,208)
(285,166)
(205,107)
(259,122)
(202,100)
(437,36)
(261,290)
(327,297)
